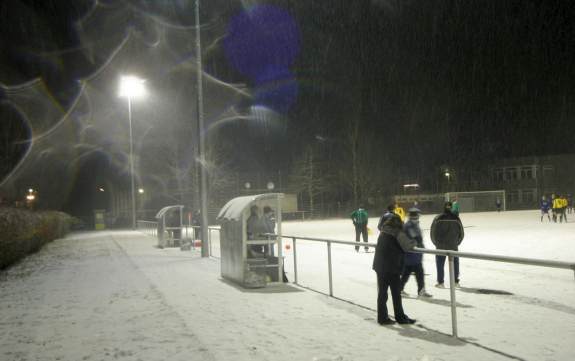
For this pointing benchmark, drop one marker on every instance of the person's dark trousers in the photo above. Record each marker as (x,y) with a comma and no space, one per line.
(554,212)
(391,281)
(419,276)
(563,215)
(440,264)
(361,229)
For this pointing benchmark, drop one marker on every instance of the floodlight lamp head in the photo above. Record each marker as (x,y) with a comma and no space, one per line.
(131,87)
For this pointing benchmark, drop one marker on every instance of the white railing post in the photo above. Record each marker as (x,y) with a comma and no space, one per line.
(294,260)
(329,268)
(452,294)
(209,242)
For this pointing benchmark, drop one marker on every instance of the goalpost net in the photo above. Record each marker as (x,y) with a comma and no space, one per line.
(483,201)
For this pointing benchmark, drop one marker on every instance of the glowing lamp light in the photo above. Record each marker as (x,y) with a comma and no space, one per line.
(30,197)
(141,190)
(447,174)
(414,185)
(131,87)
(30,190)
(101,189)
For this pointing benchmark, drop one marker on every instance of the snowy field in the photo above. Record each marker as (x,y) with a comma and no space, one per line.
(531,312)
(115,296)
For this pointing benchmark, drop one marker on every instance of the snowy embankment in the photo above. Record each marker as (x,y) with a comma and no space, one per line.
(113,295)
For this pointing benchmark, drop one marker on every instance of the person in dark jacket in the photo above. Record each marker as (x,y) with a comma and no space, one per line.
(446,233)
(388,213)
(254,229)
(413,260)
(388,264)
(269,224)
(196,224)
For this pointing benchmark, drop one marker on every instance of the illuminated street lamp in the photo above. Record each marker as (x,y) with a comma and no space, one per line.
(141,190)
(132,87)
(30,197)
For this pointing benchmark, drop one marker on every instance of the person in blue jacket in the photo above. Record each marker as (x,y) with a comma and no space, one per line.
(413,261)
(545,206)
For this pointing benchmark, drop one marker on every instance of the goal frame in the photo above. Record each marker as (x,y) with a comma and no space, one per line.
(450,195)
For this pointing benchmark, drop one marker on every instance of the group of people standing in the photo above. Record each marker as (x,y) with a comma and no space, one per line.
(394,263)
(559,206)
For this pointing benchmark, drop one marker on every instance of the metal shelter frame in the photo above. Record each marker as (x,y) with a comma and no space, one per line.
(172,231)
(239,262)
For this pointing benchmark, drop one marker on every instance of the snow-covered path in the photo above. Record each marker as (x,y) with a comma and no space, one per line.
(113,295)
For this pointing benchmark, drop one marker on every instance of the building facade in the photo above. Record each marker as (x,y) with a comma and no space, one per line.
(527,179)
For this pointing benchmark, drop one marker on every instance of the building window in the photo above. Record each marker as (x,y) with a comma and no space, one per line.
(510,174)
(526,172)
(513,196)
(498,174)
(528,196)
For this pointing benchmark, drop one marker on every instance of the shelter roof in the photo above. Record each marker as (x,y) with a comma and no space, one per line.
(164,210)
(234,208)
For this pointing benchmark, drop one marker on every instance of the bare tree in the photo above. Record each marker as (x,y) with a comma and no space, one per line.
(312,176)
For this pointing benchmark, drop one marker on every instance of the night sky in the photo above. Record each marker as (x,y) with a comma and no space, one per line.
(427,83)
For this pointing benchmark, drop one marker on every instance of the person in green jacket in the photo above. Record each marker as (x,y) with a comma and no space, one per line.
(359,219)
(455,207)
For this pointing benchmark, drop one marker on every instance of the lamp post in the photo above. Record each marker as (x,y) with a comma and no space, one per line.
(132,87)
(201,139)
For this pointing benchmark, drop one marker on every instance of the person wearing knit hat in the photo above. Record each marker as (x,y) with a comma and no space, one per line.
(413,261)
(388,263)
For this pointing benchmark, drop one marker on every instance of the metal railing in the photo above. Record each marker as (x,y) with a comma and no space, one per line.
(450,254)
(210,229)
(148,227)
(151,228)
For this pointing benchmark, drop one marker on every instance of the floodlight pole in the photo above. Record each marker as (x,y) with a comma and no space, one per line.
(201,140)
(132,164)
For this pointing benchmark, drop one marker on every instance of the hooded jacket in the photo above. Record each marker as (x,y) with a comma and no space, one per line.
(391,247)
(447,231)
(413,231)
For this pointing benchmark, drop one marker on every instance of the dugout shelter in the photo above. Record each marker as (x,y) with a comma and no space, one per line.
(248,256)
(170,225)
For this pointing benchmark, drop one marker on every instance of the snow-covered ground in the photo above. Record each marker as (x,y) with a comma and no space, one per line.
(113,295)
